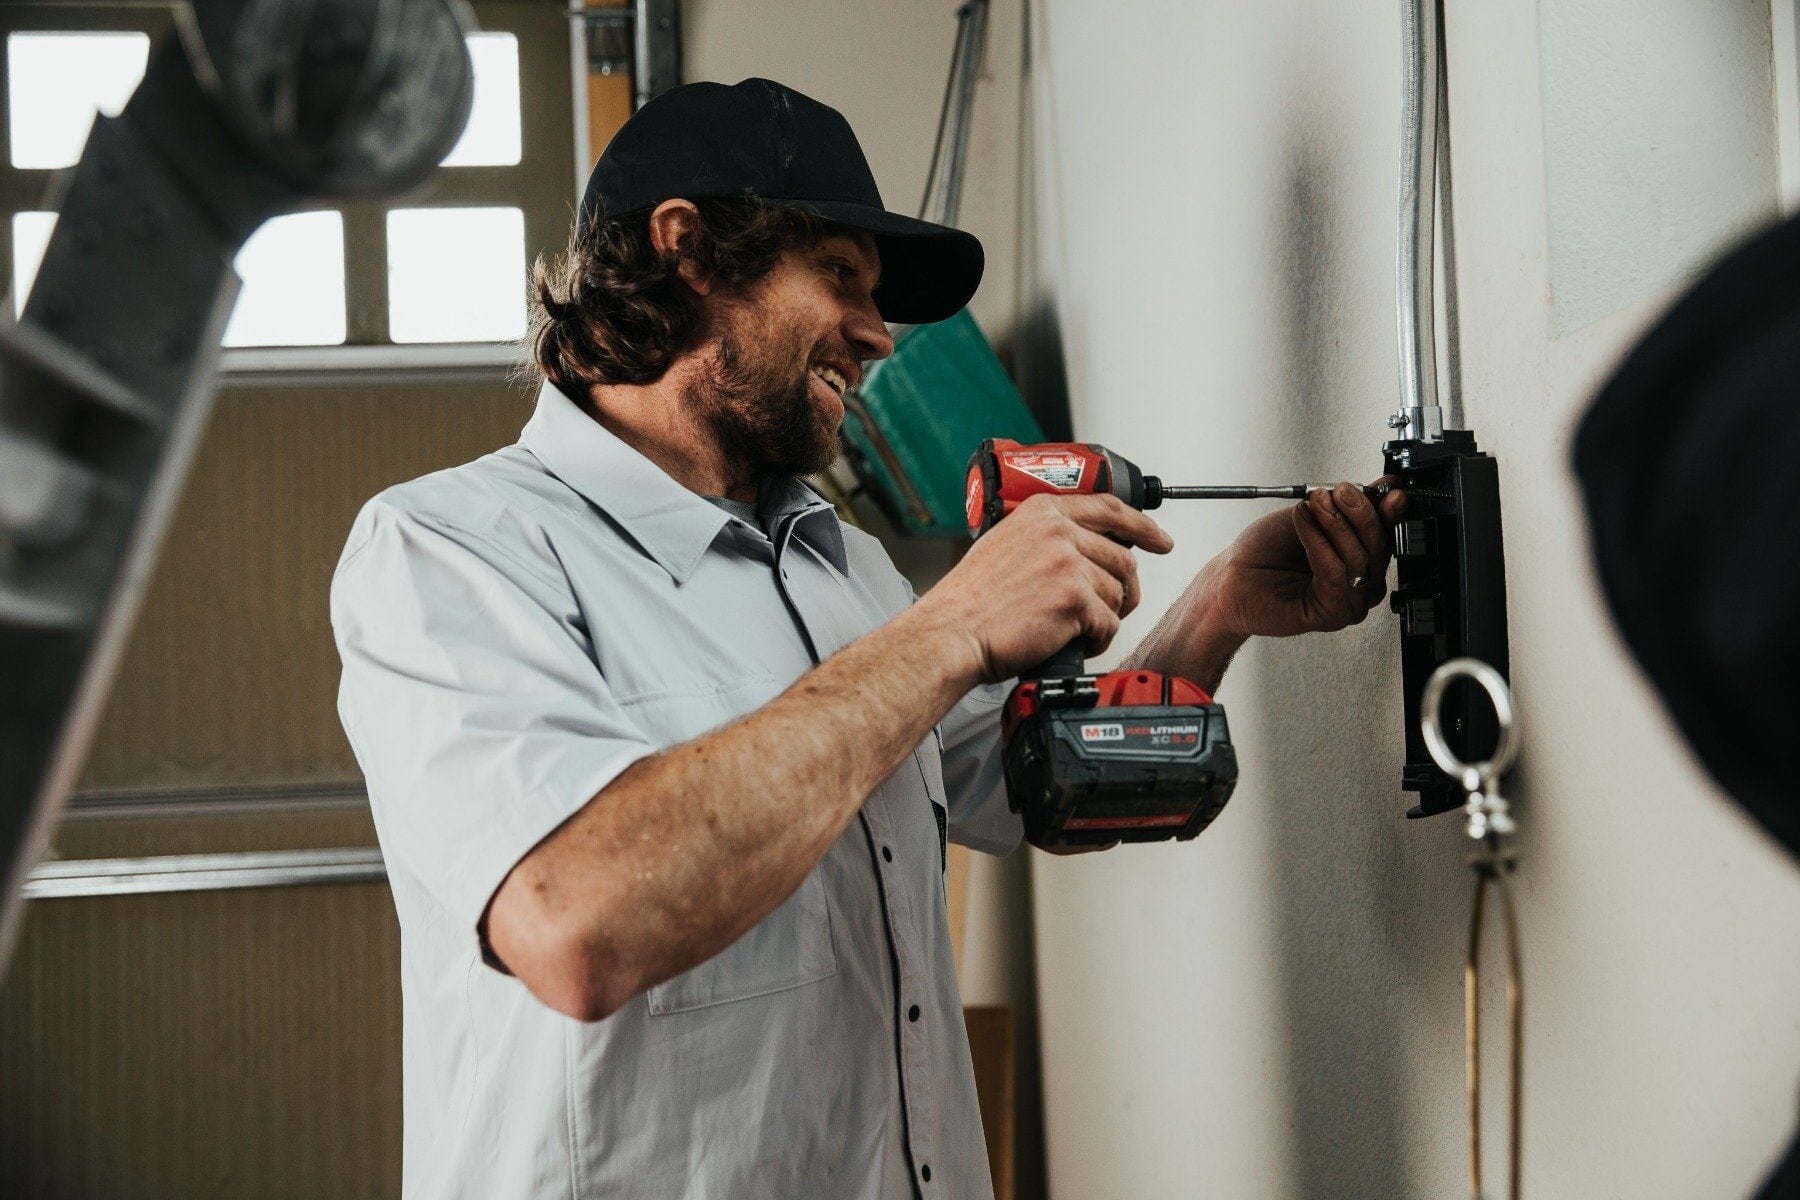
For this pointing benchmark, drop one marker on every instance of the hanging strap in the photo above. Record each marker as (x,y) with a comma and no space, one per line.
(1490,822)
(1493,866)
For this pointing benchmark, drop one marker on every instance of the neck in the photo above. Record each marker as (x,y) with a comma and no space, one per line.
(655,420)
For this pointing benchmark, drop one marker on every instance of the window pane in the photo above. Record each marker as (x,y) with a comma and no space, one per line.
(492,138)
(456,274)
(31,235)
(293,272)
(293,294)
(55,84)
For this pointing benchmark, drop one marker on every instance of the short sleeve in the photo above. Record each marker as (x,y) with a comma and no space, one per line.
(472,702)
(974,779)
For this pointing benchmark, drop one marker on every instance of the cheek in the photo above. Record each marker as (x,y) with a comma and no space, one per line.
(812,307)
(810,330)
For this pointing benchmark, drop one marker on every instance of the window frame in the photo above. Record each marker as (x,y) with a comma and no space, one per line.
(543,185)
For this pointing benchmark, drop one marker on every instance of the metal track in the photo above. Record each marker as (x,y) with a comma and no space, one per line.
(202,873)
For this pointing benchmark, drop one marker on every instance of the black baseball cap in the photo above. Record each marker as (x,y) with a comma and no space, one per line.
(762,139)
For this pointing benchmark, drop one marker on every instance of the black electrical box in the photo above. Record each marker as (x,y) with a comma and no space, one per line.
(1450,595)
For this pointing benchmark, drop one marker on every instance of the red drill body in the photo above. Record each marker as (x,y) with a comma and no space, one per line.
(1003,474)
(1119,756)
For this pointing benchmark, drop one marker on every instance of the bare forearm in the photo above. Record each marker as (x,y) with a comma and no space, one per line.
(689,848)
(1186,642)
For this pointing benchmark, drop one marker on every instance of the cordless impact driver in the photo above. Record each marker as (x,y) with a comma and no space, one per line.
(1118,756)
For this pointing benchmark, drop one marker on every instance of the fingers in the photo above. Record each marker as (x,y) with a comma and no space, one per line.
(1099,528)
(1345,539)
(1099,616)
(1321,556)
(1113,517)
(1337,596)
(1393,505)
(1108,587)
(1364,520)
(1117,562)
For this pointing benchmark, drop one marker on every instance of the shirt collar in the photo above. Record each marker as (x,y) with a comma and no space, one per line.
(671,524)
(815,522)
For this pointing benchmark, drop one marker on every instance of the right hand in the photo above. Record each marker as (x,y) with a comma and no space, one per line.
(1057,569)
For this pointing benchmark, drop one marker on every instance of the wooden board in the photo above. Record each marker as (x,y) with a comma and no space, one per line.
(992,1047)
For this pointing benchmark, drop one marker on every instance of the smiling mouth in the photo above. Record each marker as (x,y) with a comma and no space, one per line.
(831,378)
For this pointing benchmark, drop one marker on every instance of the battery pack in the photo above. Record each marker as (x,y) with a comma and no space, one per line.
(1129,756)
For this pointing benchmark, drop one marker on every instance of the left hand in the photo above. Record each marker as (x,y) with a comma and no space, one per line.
(1314,568)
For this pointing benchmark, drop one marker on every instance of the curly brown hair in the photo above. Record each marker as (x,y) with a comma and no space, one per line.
(612,309)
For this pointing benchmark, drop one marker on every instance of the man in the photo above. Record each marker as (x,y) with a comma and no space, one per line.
(654,743)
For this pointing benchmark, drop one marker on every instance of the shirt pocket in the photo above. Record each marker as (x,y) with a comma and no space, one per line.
(789,948)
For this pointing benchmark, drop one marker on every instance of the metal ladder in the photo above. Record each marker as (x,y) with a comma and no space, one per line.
(107,380)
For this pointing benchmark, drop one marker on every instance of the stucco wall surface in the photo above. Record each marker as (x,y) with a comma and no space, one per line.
(1638,79)
(1275,1009)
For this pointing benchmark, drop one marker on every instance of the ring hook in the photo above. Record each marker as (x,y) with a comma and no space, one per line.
(1472,775)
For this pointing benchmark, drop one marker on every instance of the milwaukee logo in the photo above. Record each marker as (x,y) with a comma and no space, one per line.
(1102,733)
(1061,470)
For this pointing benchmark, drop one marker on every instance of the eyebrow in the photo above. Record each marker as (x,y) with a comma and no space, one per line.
(861,257)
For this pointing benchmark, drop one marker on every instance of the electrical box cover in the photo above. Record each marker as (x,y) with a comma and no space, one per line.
(1450,595)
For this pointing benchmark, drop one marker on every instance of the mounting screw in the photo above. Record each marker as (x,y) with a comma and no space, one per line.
(1397,421)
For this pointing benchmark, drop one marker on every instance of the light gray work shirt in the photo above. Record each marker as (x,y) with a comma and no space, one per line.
(517,631)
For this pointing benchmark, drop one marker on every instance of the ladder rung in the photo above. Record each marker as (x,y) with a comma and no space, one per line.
(46,498)
(20,610)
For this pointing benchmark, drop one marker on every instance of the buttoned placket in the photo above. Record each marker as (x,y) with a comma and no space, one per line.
(824,637)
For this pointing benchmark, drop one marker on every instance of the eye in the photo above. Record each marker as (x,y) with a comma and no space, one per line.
(841,268)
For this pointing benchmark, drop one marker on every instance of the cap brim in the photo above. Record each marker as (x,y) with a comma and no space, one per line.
(928,271)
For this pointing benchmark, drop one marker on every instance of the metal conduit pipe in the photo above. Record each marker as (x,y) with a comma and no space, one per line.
(1452,399)
(943,186)
(1419,417)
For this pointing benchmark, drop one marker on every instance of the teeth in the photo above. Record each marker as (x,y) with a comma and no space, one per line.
(833,380)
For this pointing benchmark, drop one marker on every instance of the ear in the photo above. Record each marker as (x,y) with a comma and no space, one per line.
(672,223)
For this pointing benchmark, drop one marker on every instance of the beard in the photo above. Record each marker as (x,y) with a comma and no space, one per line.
(756,397)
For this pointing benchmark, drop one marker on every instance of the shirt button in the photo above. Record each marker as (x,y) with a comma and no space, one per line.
(912,1014)
(887,855)
(925,1172)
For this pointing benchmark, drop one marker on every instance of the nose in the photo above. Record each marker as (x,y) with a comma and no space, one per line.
(867,333)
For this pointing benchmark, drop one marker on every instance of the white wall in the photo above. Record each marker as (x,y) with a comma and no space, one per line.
(1627,216)
(1275,1009)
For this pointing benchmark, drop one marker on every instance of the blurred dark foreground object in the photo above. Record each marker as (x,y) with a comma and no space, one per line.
(1687,461)
(256,108)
